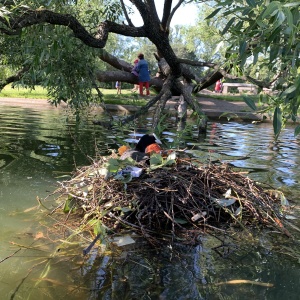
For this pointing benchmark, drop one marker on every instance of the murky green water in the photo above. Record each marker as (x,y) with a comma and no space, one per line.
(38,147)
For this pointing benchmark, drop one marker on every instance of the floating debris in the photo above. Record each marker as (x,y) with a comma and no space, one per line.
(174,199)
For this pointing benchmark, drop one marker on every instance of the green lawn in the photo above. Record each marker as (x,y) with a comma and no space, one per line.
(231,98)
(38,93)
(110,95)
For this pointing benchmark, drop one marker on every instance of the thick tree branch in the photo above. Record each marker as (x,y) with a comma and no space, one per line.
(13,78)
(152,9)
(111,76)
(114,61)
(196,63)
(123,29)
(151,29)
(33,17)
(166,14)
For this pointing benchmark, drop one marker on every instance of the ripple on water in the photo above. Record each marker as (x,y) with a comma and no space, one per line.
(36,146)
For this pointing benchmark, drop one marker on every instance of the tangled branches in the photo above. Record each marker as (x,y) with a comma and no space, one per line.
(177,202)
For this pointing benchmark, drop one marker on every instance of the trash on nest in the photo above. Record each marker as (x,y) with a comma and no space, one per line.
(121,241)
(174,198)
(133,171)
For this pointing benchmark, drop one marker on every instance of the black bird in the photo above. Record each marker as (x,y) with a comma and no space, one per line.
(139,153)
(145,141)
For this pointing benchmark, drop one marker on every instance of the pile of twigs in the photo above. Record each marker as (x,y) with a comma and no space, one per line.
(178,201)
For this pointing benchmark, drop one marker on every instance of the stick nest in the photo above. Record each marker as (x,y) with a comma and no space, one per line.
(177,202)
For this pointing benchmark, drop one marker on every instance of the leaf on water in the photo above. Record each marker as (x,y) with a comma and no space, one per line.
(31,208)
(63,176)
(39,235)
(245,281)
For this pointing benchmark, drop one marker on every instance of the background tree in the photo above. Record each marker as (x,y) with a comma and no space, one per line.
(62,44)
(265,34)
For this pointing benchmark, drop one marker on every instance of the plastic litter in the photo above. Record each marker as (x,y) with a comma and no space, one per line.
(134,171)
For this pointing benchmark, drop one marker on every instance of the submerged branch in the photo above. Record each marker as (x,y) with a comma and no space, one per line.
(2,260)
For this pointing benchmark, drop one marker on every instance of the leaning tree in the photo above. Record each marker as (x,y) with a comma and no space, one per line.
(55,43)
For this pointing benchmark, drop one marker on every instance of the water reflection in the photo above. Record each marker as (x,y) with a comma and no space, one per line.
(37,147)
(251,147)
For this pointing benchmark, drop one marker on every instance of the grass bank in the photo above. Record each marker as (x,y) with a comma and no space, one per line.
(110,95)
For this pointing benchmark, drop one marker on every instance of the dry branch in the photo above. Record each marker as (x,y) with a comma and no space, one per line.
(179,202)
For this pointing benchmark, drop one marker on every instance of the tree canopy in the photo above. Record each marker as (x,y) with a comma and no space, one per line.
(66,46)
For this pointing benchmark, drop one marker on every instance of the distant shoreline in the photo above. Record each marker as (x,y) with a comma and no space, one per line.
(213,108)
(29,103)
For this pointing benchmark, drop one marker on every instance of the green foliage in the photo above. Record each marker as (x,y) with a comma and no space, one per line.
(99,228)
(268,30)
(260,36)
(277,121)
(249,101)
(204,40)
(157,161)
(69,205)
(56,59)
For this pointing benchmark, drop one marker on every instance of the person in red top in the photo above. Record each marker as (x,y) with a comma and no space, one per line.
(218,87)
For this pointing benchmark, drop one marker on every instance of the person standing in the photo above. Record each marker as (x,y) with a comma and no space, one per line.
(144,76)
(118,87)
(218,87)
(135,73)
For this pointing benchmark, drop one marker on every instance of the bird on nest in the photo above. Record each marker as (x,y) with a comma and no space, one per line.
(148,144)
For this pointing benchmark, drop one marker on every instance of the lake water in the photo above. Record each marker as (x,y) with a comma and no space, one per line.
(39,147)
